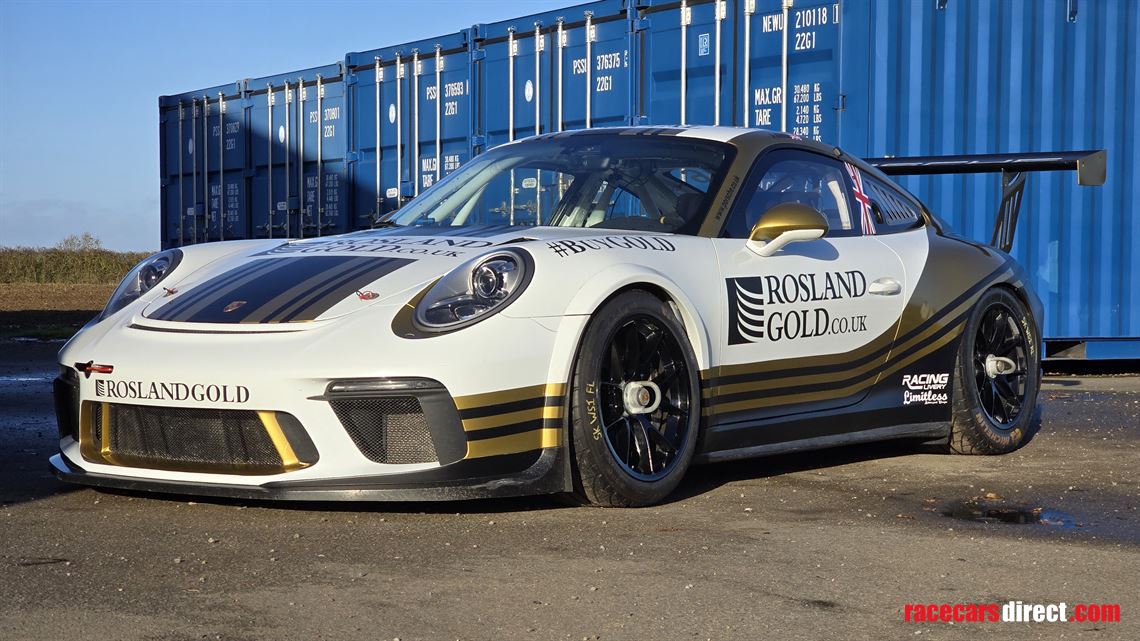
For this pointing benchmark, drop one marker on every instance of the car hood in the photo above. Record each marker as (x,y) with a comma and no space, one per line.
(322,278)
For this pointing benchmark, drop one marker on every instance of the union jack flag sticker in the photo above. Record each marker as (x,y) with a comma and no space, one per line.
(862,198)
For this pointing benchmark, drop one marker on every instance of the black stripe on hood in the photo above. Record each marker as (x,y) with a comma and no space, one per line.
(277,290)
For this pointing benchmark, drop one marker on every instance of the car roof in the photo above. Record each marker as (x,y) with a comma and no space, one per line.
(741,137)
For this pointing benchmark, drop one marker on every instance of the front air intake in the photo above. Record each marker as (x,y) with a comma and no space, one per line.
(387,429)
(191,439)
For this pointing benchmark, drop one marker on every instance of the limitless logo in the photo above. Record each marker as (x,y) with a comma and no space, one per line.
(928,389)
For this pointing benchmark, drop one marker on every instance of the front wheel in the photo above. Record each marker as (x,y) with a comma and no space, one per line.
(997,378)
(635,403)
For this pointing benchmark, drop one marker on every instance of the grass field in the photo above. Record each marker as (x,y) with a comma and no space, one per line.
(50,293)
(25,265)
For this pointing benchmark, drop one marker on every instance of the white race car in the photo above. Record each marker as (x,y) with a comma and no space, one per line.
(585,312)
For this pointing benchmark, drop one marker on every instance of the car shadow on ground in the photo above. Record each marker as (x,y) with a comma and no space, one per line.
(26,479)
(702,479)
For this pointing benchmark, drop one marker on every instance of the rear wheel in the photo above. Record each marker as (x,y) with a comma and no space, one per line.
(635,403)
(997,379)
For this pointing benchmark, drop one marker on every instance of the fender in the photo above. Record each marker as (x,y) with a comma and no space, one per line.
(597,290)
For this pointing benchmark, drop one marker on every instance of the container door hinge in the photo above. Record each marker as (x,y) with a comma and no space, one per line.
(352,156)
(248,172)
(841,105)
(478,141)
(478,54)
(350,79)
(642,24)
(640,120)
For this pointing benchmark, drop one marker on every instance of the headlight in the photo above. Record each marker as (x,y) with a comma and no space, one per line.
(142,279)
(474,290)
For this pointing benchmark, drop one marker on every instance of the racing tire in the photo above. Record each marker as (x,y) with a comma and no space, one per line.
(997,377)
(634,403)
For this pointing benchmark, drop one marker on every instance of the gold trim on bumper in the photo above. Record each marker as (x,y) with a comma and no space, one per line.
(513,430)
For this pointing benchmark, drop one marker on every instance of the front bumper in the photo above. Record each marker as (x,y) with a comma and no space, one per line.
(496,428)
(451,474)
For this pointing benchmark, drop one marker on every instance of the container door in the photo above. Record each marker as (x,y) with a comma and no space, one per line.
(804,66)
(397,102)
(178,181)
(368,173)
(195,221)
(222,151)
(271,137)
(442,116)
(593,78)
(277,141)
(322,155)
(515,101)
(688,50)
(453,110)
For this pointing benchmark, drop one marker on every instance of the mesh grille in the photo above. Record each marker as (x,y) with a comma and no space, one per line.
(186,439)
(387,429)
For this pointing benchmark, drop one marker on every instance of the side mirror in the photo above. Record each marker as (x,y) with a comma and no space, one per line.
(783,224)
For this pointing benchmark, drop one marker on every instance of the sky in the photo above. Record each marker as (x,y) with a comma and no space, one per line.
(80,81)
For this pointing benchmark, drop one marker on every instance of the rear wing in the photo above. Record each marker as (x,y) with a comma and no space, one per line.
(1089,165)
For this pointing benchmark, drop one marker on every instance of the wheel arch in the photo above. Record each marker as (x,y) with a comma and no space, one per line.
(1027,298)
(600,291)
(1032,305)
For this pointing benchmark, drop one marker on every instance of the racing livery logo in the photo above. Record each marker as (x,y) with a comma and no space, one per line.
(928,389)
(777,308)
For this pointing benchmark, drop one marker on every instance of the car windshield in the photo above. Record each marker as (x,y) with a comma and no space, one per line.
(609,181)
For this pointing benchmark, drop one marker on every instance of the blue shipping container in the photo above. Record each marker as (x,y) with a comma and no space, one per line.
(410,118)
(333,148)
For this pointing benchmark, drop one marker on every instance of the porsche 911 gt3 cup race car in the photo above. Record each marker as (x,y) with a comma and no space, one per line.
(585,312)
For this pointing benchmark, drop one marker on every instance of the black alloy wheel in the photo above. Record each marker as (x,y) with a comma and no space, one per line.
(645,444)
(996,378)
(1001,365)
(634,403)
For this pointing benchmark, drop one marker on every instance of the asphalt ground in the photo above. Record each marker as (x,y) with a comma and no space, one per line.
(828,544)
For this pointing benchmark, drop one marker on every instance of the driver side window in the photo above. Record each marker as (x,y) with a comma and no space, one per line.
(794,176)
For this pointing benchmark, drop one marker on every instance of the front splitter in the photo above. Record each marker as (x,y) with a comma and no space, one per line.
(544,476)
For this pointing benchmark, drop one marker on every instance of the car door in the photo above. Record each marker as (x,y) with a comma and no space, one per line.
(808,327)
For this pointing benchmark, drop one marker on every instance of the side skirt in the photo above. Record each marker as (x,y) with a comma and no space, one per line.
(930,431)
